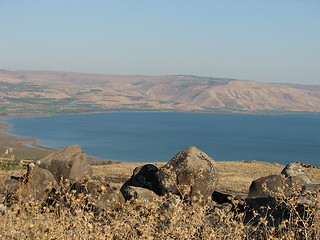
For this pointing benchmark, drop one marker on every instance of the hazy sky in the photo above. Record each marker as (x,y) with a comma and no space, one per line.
(267,41)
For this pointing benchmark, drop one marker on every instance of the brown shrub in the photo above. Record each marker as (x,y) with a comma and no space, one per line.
(72,217)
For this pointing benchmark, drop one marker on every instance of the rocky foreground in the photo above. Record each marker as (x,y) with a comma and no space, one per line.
(186,198)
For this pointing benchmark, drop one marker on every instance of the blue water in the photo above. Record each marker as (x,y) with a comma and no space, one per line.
(151,137)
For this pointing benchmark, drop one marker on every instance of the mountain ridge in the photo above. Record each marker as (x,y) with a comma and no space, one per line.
(25,92)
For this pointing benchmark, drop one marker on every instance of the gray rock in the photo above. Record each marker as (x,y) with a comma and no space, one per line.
(41,183)
(102,195)
(309,195)
(191,174)
(111,199)
(297,170)
(277,186)
(36,184)
(68,163)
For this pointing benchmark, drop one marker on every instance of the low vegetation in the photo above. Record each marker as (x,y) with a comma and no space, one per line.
(74,216)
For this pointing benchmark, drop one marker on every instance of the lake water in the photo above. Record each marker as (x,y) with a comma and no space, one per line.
(151,137)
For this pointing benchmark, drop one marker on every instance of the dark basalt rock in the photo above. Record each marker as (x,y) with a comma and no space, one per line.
(221,198)
(142,177)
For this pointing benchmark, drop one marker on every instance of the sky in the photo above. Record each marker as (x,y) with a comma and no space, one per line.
(260,40)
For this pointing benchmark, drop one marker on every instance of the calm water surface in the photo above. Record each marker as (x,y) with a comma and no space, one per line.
(151,137)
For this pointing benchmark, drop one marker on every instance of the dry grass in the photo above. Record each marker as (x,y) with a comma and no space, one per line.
(234,177)
(72,217)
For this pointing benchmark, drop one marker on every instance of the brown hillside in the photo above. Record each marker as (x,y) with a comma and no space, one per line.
(43,92)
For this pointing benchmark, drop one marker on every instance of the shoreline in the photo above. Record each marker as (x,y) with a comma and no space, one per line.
(19,144)
(258,112)
(30,149)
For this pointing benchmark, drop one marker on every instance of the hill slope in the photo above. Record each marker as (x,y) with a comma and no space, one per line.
(44,92)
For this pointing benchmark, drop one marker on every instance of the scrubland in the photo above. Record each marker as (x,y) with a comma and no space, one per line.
(73,217)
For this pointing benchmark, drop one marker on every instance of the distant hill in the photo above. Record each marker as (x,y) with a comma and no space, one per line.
(45,92)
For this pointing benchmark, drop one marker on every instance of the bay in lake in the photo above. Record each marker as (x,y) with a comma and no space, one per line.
(157,137)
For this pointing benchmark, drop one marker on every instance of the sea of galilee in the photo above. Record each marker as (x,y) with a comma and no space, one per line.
(157,137)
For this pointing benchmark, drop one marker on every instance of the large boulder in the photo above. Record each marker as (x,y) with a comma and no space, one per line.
(191,174)
(142,177)
(68,163)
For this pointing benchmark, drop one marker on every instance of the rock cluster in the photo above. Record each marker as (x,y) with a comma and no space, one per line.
(293,179)
(191,177)
(270,197)
(43,180)
(191,174)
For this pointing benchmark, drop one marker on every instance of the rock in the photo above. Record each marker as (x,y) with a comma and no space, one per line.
(144,194)
(41,183)
(37,183)
(309,195)
(221,198)
(90,186)
(102,195)
(268,186)
(267,208)
(219,213)
(276,197)
(258,202)
(191,174)
(292,180)
(143,177)
(111,199)
(11,187)
(277,186)
(95,194)
(297,170)
(68,163)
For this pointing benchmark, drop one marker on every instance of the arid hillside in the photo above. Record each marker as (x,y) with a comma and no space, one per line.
(44,92)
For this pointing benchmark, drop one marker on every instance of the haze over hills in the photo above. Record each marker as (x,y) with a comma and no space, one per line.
(47,92)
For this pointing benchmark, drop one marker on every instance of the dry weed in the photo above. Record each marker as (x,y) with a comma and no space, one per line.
(73,216)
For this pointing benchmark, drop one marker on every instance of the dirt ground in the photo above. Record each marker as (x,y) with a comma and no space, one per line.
(234,177)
